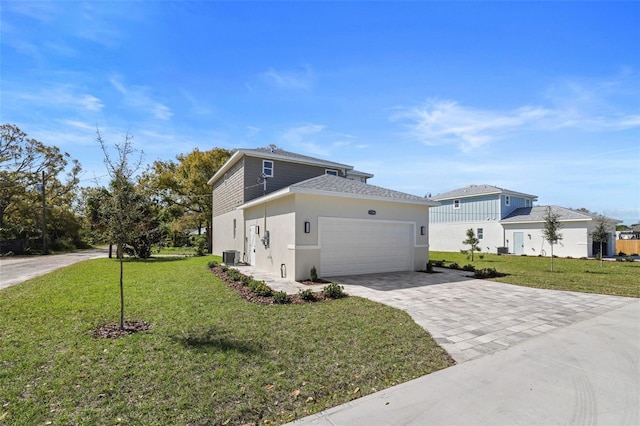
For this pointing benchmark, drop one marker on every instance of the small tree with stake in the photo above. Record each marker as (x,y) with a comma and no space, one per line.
(550,231)
(600,233)
(473,242)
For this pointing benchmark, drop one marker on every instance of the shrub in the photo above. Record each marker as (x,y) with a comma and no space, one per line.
(307,295)
(481,256)
(212,264)
(314,274)
(629,258)
(224,268)
(201,245)
(234,274)
(261,289)
(597,257)
(619,259)
(622,253)
(485,273)
(334,291)
(584,258)
(454,265)
(246,279)
(281,298)
(469,268)
(438,263)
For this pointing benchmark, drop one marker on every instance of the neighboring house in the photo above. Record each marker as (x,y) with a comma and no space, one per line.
(506,221)
(480,207)
(523,233)
(313,212)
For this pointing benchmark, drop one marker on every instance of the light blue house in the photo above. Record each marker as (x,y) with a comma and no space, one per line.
(480,207)
(506,221)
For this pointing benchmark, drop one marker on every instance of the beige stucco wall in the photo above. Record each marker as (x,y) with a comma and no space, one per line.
(223,236)
(280,219)
(310,208)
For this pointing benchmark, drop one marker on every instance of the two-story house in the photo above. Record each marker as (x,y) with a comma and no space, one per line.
(506,221)
(479,207)
(286,213)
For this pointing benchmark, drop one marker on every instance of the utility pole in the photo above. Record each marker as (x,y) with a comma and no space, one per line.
(44,217)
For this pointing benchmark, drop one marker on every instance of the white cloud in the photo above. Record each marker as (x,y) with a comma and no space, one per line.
(292,80)
(59,96)
(138,97)
(442,122)
(315,139)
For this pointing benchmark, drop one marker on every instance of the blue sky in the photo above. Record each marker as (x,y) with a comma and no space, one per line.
(537,97)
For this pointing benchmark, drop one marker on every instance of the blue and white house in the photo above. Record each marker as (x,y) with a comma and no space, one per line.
(506,221)
(480,207)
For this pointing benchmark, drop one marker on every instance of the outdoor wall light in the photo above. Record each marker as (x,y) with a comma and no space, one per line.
(423,230)
(307,227)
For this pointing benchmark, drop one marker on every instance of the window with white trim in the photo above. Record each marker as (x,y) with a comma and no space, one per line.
(527,202)
(331,172)
(267,168)
(480,233)
(456,204)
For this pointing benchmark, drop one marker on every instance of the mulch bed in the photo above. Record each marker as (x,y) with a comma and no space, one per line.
(250,296)
(113,331)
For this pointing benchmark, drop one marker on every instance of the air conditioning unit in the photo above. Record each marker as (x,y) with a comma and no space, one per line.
(230,257)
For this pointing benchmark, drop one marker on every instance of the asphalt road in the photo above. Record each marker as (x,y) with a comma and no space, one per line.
(14,270)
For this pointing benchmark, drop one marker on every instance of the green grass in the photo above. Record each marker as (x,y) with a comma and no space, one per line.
(613,278)
(184,251)
(210,358)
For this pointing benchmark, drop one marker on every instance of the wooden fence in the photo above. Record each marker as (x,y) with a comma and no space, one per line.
(628,246)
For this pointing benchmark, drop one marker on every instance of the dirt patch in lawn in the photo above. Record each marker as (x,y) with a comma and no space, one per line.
(113,331)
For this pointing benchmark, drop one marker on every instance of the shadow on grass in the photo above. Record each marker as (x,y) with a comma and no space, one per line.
(206,340)
(153,259)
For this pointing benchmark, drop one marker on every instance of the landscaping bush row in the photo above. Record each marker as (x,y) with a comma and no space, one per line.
(477,273)
(259,292)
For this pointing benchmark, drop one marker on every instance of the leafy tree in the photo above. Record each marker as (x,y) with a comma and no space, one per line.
(121,210)
(22,163)
(473,242)
(182,185)
(600,233)
(551,228)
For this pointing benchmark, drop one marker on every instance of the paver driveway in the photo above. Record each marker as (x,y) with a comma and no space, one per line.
(470,317)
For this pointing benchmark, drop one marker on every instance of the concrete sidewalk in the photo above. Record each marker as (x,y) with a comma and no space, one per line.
(587,373)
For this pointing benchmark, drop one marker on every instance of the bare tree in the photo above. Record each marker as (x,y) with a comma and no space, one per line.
(121,211)
(551,229)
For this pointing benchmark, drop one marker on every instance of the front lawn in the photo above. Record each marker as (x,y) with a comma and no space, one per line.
(614,278)
(210,357)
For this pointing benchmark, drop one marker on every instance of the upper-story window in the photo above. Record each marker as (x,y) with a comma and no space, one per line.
(267,168)
(480,233)
(332,172)
(456,204)
(507,200)
(527,202)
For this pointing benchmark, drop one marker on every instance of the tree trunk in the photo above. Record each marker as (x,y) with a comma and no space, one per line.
(551,257)
(120,255)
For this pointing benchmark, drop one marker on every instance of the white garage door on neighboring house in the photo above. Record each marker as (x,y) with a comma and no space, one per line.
(351,247)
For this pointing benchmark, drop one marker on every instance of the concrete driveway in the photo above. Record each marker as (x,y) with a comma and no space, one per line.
(14,270)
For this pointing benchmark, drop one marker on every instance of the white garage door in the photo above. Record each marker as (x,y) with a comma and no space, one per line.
(351,247)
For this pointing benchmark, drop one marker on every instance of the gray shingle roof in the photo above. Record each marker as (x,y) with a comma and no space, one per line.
(537,214)
(476,190)
(334,184)
(275,152)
